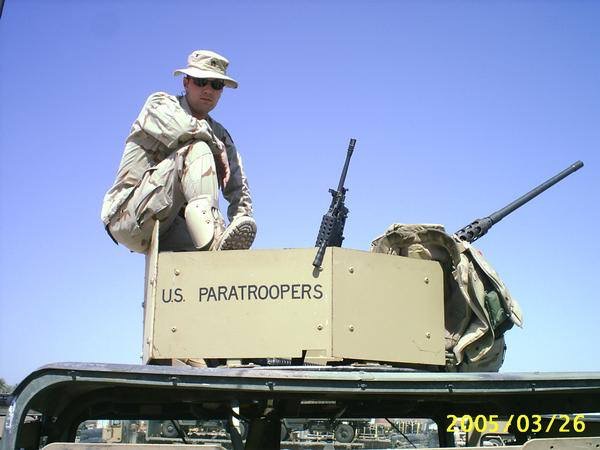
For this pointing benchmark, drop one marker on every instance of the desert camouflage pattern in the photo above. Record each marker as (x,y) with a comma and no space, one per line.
(236,192)
(478,307)
(148,183)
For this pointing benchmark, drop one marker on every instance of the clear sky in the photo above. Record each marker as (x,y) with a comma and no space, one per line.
(458,108)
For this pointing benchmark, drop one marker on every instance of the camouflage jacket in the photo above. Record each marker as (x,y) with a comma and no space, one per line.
(164,125)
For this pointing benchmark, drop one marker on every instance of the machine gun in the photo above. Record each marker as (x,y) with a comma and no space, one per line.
(331,232)
(479,227)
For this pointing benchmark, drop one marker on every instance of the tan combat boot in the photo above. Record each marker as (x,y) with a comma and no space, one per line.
(239,235)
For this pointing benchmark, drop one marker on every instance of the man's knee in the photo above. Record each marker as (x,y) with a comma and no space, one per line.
(195,150)
(126,231)
(199,176)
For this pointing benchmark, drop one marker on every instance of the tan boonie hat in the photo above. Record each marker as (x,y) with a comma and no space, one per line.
(207,64)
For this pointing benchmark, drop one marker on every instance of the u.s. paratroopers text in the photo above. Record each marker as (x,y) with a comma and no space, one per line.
(244,292)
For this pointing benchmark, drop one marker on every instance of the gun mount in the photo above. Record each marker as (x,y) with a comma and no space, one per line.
(254,304)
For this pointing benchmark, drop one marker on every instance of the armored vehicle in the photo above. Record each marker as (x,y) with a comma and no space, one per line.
(272,349)
(550,411)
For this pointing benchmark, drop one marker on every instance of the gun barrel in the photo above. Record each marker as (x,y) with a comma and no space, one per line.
(346,164)
(502,213)
(320,254)
(479,227)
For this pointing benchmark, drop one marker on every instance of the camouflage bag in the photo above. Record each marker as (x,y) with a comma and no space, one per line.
(478,309)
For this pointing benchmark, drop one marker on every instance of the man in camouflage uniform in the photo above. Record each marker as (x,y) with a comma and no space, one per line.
(176,157)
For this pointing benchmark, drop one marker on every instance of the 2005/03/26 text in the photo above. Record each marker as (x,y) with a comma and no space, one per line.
(523,423)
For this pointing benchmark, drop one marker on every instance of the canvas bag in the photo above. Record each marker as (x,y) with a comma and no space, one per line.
(478,308)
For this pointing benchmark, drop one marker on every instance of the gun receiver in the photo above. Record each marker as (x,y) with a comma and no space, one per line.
(331,232)
(479,227)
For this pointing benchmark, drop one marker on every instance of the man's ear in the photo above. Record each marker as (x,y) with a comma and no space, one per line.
(186,80)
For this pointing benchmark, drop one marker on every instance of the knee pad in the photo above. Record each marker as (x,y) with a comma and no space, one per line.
(201,220)
(199,177)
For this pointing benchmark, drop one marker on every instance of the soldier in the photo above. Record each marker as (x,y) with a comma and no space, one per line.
(175,159)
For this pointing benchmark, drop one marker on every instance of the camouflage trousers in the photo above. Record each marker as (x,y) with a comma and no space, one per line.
(160,196)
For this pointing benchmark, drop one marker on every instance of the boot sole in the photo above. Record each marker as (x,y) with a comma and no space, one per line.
(239,237)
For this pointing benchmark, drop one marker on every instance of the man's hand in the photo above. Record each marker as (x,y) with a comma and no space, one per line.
(223,171)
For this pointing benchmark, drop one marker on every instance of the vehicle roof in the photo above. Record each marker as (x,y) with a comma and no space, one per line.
(505,390)
(69,393)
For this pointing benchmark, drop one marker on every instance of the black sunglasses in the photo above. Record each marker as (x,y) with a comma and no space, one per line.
(217,85)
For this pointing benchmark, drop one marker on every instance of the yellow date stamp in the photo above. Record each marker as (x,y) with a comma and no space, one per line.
(534,423)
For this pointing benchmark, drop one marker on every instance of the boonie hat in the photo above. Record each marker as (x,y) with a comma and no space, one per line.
(207,64)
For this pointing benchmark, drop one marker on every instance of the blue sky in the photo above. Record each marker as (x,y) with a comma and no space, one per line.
(458,108)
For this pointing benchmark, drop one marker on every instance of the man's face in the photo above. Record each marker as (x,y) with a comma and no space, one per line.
(202,99)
